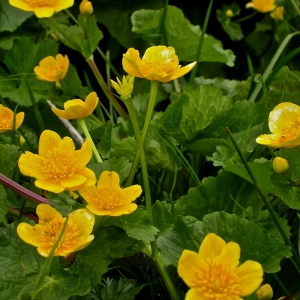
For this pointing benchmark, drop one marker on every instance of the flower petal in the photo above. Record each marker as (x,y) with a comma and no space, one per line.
(211,246)
(19,119)
(189,265)
(131,60)
(230,255)
(250,274)
(43,12)
(51,185)
(110,180)
(182,71)
(97,210)
(29,234)
(32,165)
(48,140)
(47,212)
(83,155)
(123,210)
(130,193)
(90,179)
(73,180)
(90,195)
(84,219)
(91,101)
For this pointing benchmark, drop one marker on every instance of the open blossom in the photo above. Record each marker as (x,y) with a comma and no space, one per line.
(108,198)
(58,166)
(159,63)
(7,117)
(124,88)
(42,8)
(77,109)
(52,69)
(214,272)
(263,6)
(43,235)
(284,123)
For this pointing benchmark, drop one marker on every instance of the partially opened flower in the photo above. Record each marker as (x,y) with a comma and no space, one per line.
(7,117)
(159,63)
(42,8)
(124,88)
(214,272)
(277,14)
(58,166)
(108,198)
(263,6)
(52,69)
(284,123)
(77,234)
(86,8)
(77,109)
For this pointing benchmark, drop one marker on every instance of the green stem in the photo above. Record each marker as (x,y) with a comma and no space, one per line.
(296,6)
(82,124)
(35,107)
(265,201)
(201,40)
(155,253)
(105,88)
(151,105)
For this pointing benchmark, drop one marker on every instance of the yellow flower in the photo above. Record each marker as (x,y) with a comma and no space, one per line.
(86,8)
(263,6)
(7,117)
(58,166)
(280,165)
(277,14)
(107,198)
(213,273)
(42,8)
(77,234)
(52,69)
(284,123)
(124,88)
(265,292)
(229,13)
(158,63)
(77,109)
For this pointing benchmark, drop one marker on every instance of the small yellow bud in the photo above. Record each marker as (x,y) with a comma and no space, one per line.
(86,8)
(265,292)
(277,13)
(124,88)
(280,165)
(229,13)
(22,140)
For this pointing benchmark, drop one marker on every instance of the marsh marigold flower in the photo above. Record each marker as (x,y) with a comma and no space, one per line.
(42,8)
(158,63)
(214,272)
(263,6)
(77,109)
(108,198)
(124,88)
(86,8)
(284,123)
(7,117)
(43,235)
(58,166)
(52,69)
(277,14)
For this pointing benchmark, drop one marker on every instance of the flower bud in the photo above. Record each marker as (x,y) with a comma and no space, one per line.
(229,13)
(277,13)
(86,8)
(280,165)
(265,292)
(124,88)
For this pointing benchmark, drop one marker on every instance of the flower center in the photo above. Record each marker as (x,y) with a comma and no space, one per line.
(217,280)
(6,120)
(58,164)
(38,3)
(109,198)
(293,129)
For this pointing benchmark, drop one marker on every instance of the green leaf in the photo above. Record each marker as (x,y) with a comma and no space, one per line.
(11,17)
(104,146)
(92,37)
(180,34)
(186,235)
(198,109)
(10,155)
(122,166)
(162,217)
(3,203)
(255,243)
(217,194)
(137,225)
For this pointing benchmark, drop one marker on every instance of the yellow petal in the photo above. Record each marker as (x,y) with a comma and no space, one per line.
(230,255)
(29,234)
(32,165)
(250,274)
(90,179)
(109,179)
(182,71)
(188,267)
(91,101)
(47,212)
(48,140)
(131,60)
(97,210)
(62,4)
(84,155)
(130,193)
(123,210)
(90,194)
(21,4)
(43,12)
(211,246)
(51,185)
(84,219)
(19,119)
(72,181)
